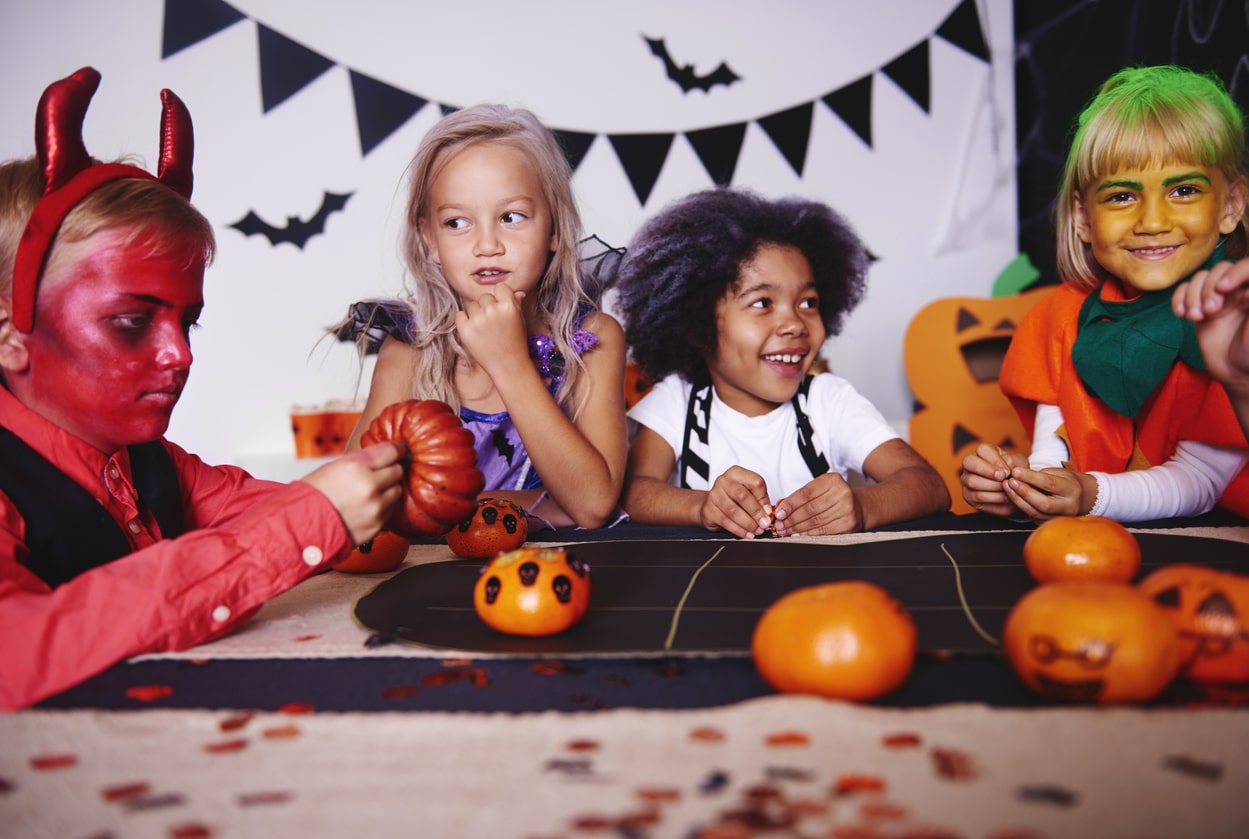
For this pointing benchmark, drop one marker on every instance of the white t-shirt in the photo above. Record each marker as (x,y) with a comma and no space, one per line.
(846,428)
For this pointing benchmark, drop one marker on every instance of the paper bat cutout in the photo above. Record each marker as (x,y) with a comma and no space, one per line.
(684,74)
(297,231)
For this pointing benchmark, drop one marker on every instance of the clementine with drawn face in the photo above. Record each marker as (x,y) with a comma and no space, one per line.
(110,351)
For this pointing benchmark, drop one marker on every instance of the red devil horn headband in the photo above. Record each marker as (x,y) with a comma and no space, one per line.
(70,175)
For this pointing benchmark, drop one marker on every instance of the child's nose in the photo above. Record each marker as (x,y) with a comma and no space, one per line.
(488,241)
(1153,217)
(790,322)
(174,351)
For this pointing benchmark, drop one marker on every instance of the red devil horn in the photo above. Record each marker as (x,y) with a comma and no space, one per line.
(58,127)
(177,145)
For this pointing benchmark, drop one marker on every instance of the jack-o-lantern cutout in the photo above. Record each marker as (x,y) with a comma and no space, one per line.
(532,591)
(1091,642)
(952,353)
(1209,609)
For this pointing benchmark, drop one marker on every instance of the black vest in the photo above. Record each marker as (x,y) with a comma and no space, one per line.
(67,530)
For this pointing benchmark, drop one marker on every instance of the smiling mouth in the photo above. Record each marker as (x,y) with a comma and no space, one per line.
(1154,253)
(785,358)
(1069,691)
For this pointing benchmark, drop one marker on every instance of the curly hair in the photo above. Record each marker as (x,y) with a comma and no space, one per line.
(685,259)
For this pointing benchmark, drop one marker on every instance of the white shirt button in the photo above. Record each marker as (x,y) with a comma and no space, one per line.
(313,555)
(221,614)
(134,526)
(113,472)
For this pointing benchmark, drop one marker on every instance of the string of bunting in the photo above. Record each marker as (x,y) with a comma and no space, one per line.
(287,67)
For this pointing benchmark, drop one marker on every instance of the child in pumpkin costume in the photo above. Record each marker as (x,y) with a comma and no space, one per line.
(113,540)
(1126,421)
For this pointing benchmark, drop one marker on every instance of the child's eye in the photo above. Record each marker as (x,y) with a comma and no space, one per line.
(810,303)
(131,324)
(1186,191)
(455,223)
(1118,198)
(512,217)
(761,303)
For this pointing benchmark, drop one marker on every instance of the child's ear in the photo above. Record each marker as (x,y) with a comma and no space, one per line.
(13,354)
(1079,218)
(1233,207)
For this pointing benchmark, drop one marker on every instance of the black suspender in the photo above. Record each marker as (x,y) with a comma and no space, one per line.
(696,453)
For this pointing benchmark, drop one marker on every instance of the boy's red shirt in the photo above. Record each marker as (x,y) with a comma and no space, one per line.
(246,541)
(1187,405)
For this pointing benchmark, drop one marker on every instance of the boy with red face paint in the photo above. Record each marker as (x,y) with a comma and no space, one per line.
(113,540)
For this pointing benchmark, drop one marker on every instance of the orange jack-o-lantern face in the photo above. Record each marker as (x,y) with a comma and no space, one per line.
(1091,642)
(497,525)
(384,552)
(1209,609)
(952,353)
(533,591)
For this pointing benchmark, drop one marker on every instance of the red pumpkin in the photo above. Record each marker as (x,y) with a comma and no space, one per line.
(1086,641)
(442,478)
(532,591)
(1210,610)
(497,525)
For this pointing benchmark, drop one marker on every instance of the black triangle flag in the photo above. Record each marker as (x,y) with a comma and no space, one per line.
(790,130)
(853,104)
(575,145)
(718,148)
(448,109)
(642,156)
(380,109)
(962,29)
(910,71)
(187,22)
(286,67)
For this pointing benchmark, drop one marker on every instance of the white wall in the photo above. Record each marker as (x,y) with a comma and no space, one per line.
(934,197)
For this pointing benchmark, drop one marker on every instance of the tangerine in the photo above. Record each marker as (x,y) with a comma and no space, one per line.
(1090,641)
(384,552)
(532,591)
(1082,548)
(844,640)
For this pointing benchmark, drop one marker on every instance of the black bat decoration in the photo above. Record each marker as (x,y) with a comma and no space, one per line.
(502,445)
(297,231)
(684,74)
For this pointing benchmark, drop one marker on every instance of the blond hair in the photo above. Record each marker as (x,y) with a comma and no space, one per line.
(1144,117)
(561,299)
(150,212)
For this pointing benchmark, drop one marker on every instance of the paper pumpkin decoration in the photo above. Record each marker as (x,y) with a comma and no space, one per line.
(1210,610)
(636,385)
(952,354)
(1092,642)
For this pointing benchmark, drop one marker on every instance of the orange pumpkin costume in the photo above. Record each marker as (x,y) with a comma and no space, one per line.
(1187,405)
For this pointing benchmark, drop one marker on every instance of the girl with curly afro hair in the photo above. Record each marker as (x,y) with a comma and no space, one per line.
(727,298)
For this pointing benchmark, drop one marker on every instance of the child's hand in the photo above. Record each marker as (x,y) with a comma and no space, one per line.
(823,507)
(984,472)
(1218,302)
(737,502)
(492,329)
(364,486)
(1050,493)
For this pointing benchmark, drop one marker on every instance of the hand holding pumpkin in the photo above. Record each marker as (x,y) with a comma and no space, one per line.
(363,486)
(442,479)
